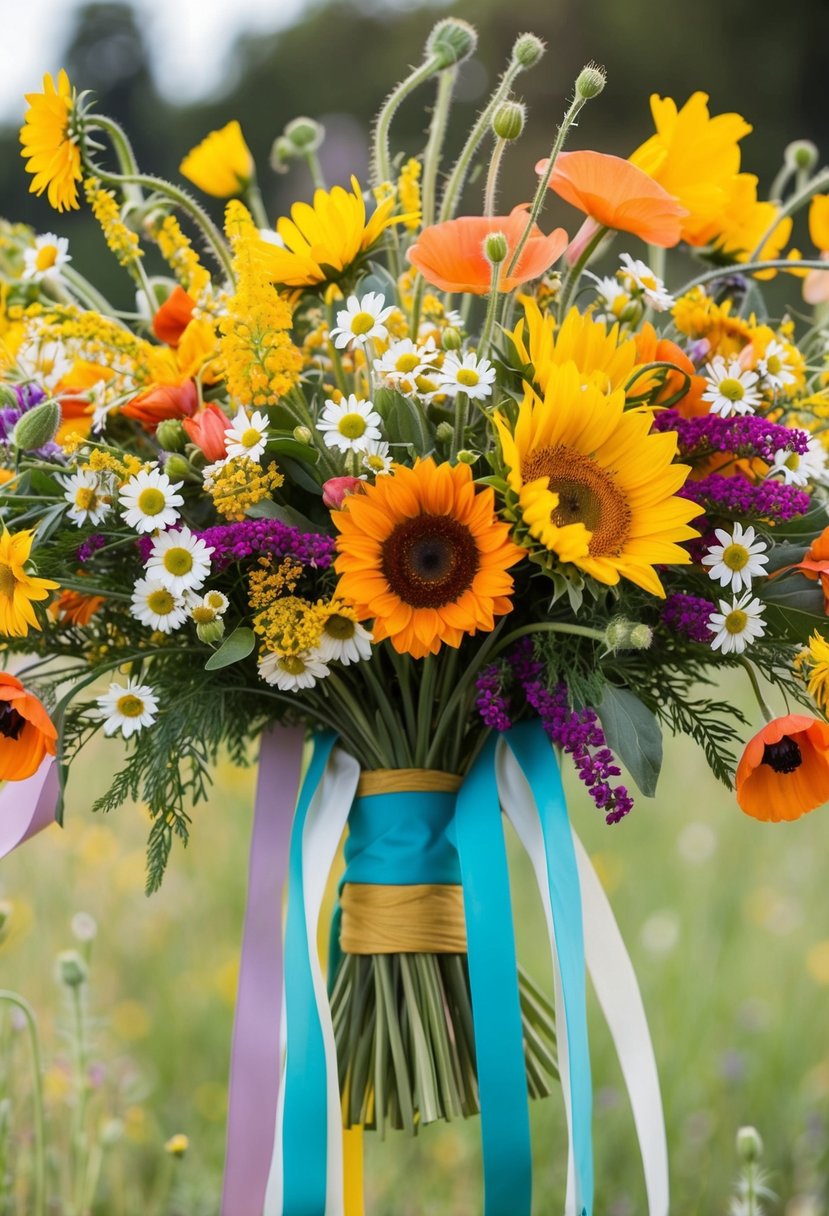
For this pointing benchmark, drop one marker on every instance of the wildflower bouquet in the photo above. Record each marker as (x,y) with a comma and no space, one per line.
(418,481)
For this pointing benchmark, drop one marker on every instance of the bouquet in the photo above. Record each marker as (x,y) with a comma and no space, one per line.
(405,473)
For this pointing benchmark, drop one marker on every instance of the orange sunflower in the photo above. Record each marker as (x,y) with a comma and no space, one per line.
(784,770)
(422,552)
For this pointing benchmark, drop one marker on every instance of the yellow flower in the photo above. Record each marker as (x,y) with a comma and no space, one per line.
(177,1145)
(818,660)
(47,140)
(697,315)
(819,221)
(600,355)
(592,485)
(408,189)
(694,157)
(323,239)
(239,483)
(177,250)
(17,588)
(744,222)
(221,164)
(120,239)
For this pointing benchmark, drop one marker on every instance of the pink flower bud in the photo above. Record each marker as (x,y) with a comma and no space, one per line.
(335,490)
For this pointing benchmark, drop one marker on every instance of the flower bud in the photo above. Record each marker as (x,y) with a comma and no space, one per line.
(305,134)
(495,248)
(38,427)
(749,1145)
(84,927)
(178,468)
(451,41)
(177,1145)
(303,434)
(590,81)
(622,634)
(451,338)
(8,398)
(170,435)
(801,154)
(641,637)
(282,153)
(211,632)
(508,120)
(527,50)
(445,432)
(465,456)
(335,490)
(71,969)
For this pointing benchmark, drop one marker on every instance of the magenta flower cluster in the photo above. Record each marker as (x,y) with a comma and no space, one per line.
(688,615)
(253,537)
(730,496)
(747,436)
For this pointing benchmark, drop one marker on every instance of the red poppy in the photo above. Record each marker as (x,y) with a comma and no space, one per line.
(784,770)
(162,401)
(207,430)
(26,731)
(173,317)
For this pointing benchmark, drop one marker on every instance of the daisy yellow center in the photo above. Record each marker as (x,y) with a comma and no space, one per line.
(47,255)
(86,498)
(430,561)
(467,377)
(341,628)
(735,556)
(292,664)
(352,425)
(160,602)
(361,323)
(215,600)
(774,365)
(250,437)
(375,463)
(736,621)
(732,389)
(407,363)
(793,461)
(7,581)
(178,561)
(130,706)
(203,615)
(425,385)
(587,494)
(151,501)
(648,282)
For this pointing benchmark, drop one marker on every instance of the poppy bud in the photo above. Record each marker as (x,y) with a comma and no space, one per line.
(445,432)
(451,338)
(451,41)
(170,435)
(38,427)
(495,248)
(527,50)
(303,434)
(508,120)
(590,81)
(305,134)
(71,969)
(749,1145)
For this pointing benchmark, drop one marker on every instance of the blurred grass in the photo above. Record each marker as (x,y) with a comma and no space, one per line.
(727,922)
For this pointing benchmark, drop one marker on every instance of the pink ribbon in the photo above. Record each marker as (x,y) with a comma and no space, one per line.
(27,807)
(255,1066)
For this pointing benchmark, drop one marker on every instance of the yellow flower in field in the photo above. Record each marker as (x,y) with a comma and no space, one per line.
(593,485)
(323,239)
(177,1145)
(17,588)
(694,157)
(819,221)
(47,140)
(818,660)
(221,164)
(599,354)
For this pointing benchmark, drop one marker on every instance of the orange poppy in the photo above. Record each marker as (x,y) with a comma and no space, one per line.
(207,430)
(451,255)
(617,195)
(173,317)
(650,348)
(74,608)
(26,731)
(784,770)
(815,565)
(162,401)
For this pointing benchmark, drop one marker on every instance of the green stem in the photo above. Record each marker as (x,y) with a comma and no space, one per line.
(574,274)
(491,309)
(25,1008)
(437,131)
(417,300)
(459,429)
(79,1138)
(582,631)
(453,704)
(795,202)
(89,295)
(755,684)
(315,168)
(254,200)
(744,268)
(491,187)
(123,151)
(425,705)
(381,160)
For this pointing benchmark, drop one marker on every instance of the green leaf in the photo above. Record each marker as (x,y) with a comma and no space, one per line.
(794,607)
(633,733)
(235,648)
(404,419)
(809,525)
(290,447)
(268,509)
(787,554)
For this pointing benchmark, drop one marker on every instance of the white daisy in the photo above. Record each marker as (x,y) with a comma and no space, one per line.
(797,469)
(127,708)
(737,559)
(156,607)
(731,390)
(349,424)
(247,436)
(376,458)
(428,386)
(775,368)
(612,296)
(46,258)
(217,601)
(361,320)
(636,276)
(292,671)
(45,362)
(179,561)
(89,498)
(345,640)
(469,375)
(736,624)
(149,500)
(404,361)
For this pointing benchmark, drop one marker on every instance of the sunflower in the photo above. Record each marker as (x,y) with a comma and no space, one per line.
(593,485)
(784,770)
(423,555)
(221,164)
(602,356)
(49,143)
(26,731)
(17,588)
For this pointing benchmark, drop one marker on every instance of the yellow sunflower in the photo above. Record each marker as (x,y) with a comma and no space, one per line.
(47,140)
(593,485)
(602,357)
(422,553)
(323,239)
(222,164)
(17,588)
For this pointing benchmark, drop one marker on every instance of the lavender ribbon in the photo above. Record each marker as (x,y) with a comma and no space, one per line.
(27,807)
(255,1065)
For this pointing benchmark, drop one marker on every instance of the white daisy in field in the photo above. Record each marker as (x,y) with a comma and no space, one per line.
(361,320)
(290,672)
(731,390)
(156,607)
(149,501)
(127,708)
(349,424)
(344,639)
(376,458)
(775,367)
(89,498)
(428,386)
(179,561)
(637,277)
(247,436)
(469,375)
(799,469)
(404,361)
(46,258)
(737,559)
(737,624)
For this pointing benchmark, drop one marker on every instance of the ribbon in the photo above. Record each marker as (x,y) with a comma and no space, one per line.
(27,807)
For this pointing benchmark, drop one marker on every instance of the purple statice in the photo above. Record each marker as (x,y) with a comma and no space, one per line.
(772,500)
(9,418)
(491,703)
(747,436)
(93,542)
(688,615)
(248,537)
(29,395)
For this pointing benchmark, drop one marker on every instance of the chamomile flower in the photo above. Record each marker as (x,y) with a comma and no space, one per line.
(799,469)
(376,458)
(737,624)
(179,561)
(404,361)
(775,368)
(361,320)
(731,390)
(149,501)
(638,278)
(45,362)
(247,436)
(156,607)
(215,601)
(88,497)
(612,297)
(737,559)
(46,258)
(343,639)
(349,424)
(290,672)
(469,375)
(128,708)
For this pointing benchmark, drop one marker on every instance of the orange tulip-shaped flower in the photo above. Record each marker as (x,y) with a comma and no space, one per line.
(651,348)
(26,731)
(207,431)
(616,194)
(784,770)
(173,317)
(451,255)
(162,401)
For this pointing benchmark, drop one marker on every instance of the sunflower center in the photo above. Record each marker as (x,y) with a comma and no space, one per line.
(293,664)
(11,722)
(783,757)
(86,498)
(587,494)
(160,602)
(7,581)
(361,323)
(340,627)
(736,621)
(250,437)
(178,561)
(352,426)
(407,363)
(150,501)
(430,560)
(732,389)
(735,557)
(130,706)
(46,257)
(467,377)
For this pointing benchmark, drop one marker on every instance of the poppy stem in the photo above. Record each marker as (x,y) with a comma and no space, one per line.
(492,176)
(381,160)
(254,200)
(437,131)
(574,274)
(796,201)
(755,684)
(744,268)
